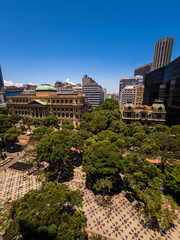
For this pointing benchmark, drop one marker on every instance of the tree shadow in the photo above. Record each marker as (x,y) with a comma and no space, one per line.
(12,147)
(67,168)
(116,181)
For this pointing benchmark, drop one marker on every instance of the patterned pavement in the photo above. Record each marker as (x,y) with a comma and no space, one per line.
(14,184)
(119,220)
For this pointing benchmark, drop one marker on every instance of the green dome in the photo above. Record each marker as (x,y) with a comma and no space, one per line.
(46,87)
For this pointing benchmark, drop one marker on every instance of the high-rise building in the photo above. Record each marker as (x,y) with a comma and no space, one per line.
(129,92)
(87,80)
(93,91)
(94,94)
(68,88)
(1,79)
(142,70)
(2,103)
(164,84)
(162,53)
(105,93)
(162,56)
(139,95)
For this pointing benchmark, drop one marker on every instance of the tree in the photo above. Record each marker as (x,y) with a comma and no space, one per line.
(98,237)
(22,127)
(4,110)
(175,129)
(103,184)
(48,213)
(11,135)
(5,123)
(101,159)
(51,121)
(54,148)
(168,147)
(110,104)
(67,124)
(173,179)
(146,181)
(161,128)
(39,133)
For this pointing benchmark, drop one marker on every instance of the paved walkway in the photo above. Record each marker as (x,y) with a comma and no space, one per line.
(118,221)
(14,184)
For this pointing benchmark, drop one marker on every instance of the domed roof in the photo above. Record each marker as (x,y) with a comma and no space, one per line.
(46,87)
(128,106)
(158,107)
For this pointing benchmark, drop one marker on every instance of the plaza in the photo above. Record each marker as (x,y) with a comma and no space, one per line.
(120,219)
(117,220)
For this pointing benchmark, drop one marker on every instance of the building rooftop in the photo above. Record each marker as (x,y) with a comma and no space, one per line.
(46,87)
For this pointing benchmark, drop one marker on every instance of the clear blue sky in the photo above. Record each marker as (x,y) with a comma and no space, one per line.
(45,41)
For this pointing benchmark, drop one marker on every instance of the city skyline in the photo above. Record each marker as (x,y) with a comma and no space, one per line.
(44,42)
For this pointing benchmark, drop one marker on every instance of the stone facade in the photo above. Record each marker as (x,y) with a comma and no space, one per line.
(47,102)
(149,115)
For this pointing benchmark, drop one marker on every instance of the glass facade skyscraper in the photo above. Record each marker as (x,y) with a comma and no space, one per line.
(164,84)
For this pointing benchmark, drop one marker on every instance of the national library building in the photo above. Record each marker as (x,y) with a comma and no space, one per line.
(46,101)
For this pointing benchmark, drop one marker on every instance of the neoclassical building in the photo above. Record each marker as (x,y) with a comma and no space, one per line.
(46,101)
(149,115)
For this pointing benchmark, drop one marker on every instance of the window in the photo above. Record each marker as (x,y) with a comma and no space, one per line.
(67,114)
(143,115)
(54,109)
(67,109)
(77,116)
(62,114)
(62,109)
(53,101)
(70,100)
(66,101)
(23,100)
(71,109)
(26,100)
(129,115)
(62,101)
(158,116)
(58,109)
(48,100)
(76,101)
(58,114)
(71,115)
(57,101)
(160,108)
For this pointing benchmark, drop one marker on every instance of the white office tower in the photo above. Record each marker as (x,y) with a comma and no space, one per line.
(127,89)
(94,94)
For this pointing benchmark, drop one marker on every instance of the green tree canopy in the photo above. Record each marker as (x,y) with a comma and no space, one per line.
(50,121)
(39,133)
(48,213)
(101,159)
(11,135)
(67,124)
